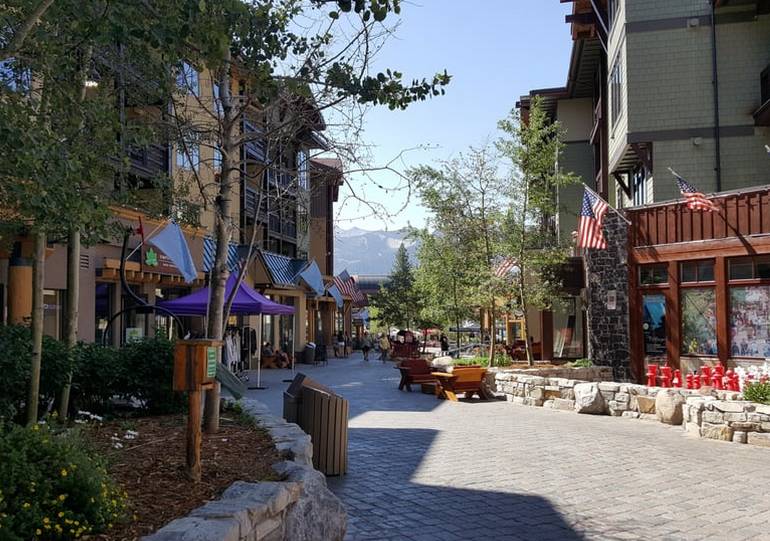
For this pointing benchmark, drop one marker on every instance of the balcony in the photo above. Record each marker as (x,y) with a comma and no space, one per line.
(762,115)
(147,163)
(741,214)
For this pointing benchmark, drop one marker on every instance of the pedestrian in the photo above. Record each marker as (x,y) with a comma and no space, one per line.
(444,344)
(366,345)
(339,345)
(384,347)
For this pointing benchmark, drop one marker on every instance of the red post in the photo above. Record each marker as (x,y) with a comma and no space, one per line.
(689,379)
(665,378)
(677,381)
(652,375)
(705,376)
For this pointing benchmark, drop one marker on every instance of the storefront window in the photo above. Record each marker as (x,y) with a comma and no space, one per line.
(53,313)
(103,300)
(750,321)
(697,271)
(654,324)
(747,268)
(699,335)
(653,275)
(286,329)
(567,328)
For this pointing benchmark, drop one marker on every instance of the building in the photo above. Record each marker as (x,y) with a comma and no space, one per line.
(680,85)
(281,200)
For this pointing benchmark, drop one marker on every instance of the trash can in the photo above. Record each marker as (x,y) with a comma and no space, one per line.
(308,355)
(323,415)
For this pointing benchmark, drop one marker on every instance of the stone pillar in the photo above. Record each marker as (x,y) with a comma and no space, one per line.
(607,281)
(300,323)
(19,290)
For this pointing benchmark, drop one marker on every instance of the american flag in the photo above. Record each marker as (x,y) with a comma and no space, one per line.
(505,267)
(347,285)
(694,199)
(589,233)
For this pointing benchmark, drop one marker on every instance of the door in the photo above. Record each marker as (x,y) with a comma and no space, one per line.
(654,326)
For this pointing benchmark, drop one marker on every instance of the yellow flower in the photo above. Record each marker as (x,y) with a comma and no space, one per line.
(63,472)
(62,497)
(26,505)
(61,514)
(46,521)
(38,532)
(36,427)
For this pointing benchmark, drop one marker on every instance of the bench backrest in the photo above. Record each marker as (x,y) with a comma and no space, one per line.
(469,375)
(417,366)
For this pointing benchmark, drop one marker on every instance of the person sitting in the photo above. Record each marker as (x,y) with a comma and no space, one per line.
(282,359)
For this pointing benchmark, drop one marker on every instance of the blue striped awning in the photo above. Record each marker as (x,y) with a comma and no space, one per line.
(209,254)
(283,270)
(335,292)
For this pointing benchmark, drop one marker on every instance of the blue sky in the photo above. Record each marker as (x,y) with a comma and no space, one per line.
(495,50)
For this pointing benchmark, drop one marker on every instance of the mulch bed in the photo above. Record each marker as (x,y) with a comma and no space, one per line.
(150,467)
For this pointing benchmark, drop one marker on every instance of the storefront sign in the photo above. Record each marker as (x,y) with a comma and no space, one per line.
(134,334)
(211,362)
(153,260)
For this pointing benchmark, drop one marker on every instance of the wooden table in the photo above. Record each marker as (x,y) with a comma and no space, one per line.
(448,386)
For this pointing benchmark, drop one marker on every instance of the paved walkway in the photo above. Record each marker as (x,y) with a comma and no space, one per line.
(420,468)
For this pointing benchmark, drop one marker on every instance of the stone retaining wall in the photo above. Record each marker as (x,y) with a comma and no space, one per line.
(720,415)
(299,508)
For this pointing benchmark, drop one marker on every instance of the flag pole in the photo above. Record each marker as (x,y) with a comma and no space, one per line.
(144,240)
(613,209)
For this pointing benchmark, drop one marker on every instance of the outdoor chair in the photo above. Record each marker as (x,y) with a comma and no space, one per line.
(468,380)
(414,372)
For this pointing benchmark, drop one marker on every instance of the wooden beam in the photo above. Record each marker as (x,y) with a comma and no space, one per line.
(643,154)
(723,318)
(703,249)
(626,188)
(581,18)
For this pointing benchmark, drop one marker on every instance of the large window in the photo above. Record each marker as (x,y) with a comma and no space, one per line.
(699,321)
(188,155)
(750,321)
(616,90)
(750,268)
(568,328)
(187,79)
(697,271)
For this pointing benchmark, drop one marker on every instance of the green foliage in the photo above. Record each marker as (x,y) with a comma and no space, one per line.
(398,303)
(500,360)
(15,366)
(141,370)
(581,363)
(757,392)
(52,486)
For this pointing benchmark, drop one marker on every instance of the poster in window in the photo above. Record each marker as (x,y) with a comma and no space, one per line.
(750,321)
(654,324)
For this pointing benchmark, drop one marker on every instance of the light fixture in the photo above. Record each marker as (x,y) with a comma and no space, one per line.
(91,83)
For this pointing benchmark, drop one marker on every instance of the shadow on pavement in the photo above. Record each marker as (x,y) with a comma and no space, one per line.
(384,503)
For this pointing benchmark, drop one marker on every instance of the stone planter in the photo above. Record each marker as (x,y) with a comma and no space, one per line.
(299,508)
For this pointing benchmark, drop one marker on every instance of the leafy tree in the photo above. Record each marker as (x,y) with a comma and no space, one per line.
(529,233)
(398,302)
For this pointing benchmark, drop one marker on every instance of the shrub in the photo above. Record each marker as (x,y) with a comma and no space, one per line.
(500,360)
(99,375)
(15,366)
(148,369)
(757,392)
(582,363)
(52,486)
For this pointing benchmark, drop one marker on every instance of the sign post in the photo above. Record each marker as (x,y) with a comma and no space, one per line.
(195,367)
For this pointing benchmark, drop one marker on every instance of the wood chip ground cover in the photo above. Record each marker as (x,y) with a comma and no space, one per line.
(147,455)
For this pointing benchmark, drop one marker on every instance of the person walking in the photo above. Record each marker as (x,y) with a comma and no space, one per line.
(366,345)
(384,347)
(444,344)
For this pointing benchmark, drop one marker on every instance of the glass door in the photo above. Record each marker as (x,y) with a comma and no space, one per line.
(654,325)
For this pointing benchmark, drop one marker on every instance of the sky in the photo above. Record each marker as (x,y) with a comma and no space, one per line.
(495,51)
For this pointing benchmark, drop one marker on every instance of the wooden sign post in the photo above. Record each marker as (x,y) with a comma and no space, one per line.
(195,368)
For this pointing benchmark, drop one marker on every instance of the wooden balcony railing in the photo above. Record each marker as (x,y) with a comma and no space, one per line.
(740,214)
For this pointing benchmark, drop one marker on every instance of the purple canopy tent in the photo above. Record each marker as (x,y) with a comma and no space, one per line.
(246,302)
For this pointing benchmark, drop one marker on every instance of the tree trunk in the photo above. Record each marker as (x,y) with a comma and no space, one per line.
(492,331)
(38,281)
(223,210)
(24,29)
(524,306)
(73,299)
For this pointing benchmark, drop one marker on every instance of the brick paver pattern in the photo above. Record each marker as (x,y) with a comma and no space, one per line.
(420,468)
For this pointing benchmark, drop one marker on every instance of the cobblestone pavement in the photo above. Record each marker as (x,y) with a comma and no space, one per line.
(420,468)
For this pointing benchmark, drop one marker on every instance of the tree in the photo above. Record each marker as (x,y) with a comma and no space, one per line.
(529,233)
(466,198)
(397,302)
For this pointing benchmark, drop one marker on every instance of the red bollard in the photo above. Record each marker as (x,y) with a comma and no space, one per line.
(688,379)
(695,381)
(665,377)
(677,381)
(705,376)
(716,381)
(652,375)
(732,380)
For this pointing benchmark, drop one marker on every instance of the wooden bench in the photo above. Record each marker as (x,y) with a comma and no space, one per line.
(414,371)
(468,380)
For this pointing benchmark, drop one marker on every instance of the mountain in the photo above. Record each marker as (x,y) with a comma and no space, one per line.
(368,252)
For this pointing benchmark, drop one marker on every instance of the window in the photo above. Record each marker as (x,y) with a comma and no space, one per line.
(749,317)
(217,161)
(568,328)
(653,275)
(217,100)
(699,321)
(639,177)
(187,79)
(188,155)
(616,90)
(750,268)
(654,324)
(303,169)
(697,271)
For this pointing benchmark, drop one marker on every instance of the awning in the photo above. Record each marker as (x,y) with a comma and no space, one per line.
(311,276)
(337,295)
(210,252)
(283,270)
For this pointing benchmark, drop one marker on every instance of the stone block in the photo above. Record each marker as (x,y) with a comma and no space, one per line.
(622,397)
(759,438)
(713,417)
(588,399)
(537,393)
(197,529)
(716,432)
(609,386)
(735,417)
(631,414)
(563,404)
(608,395)
(550,394)
(731,407)
(763,409)
(645,404)
(568,393)
(668,406)
(692,429)
(548,404)
(739,437)
(648,417)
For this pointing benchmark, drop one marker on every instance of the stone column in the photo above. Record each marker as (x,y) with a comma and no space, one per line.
(300,323)
(607,283)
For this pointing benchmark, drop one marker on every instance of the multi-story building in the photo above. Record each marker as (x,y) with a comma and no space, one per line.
(277,200)
(683,86)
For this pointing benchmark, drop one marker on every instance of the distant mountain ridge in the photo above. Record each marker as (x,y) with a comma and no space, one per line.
(368,252)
